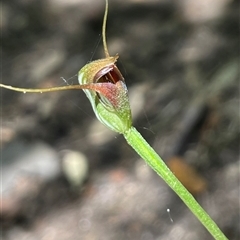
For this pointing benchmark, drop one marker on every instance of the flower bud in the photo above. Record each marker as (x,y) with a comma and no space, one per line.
(108,93)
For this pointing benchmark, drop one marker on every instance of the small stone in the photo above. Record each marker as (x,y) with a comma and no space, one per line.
(75,167)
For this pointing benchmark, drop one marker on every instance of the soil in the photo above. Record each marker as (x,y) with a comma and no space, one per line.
(67,177)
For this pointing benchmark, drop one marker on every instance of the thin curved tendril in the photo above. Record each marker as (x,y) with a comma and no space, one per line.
(104,30)
(84,86)
(42,90)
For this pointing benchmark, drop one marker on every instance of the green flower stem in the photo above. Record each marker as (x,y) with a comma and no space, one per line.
(139,144)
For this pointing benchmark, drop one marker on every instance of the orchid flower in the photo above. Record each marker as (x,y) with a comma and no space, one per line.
(105,87)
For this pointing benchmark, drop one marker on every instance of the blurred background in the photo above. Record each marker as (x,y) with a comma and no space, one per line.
(64,176)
